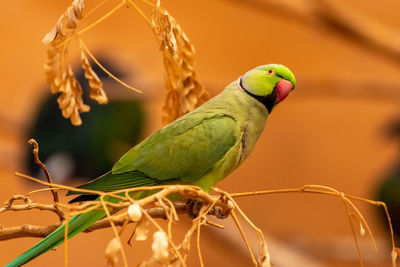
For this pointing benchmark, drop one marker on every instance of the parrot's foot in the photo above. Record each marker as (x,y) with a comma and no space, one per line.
(194,207)
(219,212)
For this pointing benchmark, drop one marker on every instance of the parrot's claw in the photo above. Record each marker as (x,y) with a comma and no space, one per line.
(219,212)
(194,207)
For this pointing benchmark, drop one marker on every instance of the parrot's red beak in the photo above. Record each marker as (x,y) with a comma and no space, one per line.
(283,88)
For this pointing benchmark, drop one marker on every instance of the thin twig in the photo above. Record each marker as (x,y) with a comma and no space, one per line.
(84,47)
(238,225)
(90,12)
(169,211)
(92,25)
(198,244)
(353,231)
(28,230)
(332,192)
(114,229)
(44,169)
(140,12)
(66,241)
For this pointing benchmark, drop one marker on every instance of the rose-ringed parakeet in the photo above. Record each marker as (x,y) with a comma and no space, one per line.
(200,148)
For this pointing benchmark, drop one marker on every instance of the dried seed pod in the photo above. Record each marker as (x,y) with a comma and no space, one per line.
(160,247)
(264,259)
(112,250)
(395,254)
(69,20)
(230,205)
(142,229)
(362,230)
(135,212)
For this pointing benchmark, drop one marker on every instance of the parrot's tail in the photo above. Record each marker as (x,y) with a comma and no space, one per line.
(76,225)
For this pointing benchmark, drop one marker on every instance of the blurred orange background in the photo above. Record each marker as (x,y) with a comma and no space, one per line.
(328,132)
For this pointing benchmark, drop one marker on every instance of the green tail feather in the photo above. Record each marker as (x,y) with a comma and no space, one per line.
(76,225)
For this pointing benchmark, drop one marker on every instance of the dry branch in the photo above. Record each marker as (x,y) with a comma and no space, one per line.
(28,230)
(161,213)
(169,211)
(129,210)
(166,209)
(43,167)
(30,205)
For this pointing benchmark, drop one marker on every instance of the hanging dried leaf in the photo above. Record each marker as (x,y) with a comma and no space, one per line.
(96,86)
(58,72)
(184,92)
(70,100)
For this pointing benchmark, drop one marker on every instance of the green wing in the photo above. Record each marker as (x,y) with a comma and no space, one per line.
(183,151)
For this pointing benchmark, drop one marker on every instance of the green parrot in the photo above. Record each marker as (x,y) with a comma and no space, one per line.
(200,148)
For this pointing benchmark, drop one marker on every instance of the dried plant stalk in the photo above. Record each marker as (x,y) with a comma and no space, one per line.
(177,254)
(58,71)
(184,91)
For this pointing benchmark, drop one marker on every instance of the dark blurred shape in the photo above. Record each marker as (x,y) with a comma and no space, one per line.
(389,190)
(89,150)
(393,129)
(390,194)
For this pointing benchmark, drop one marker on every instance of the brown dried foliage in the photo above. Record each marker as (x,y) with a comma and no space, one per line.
(96,86)
(184,92)
(58,71)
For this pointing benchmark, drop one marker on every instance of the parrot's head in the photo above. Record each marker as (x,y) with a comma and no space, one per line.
(269,84)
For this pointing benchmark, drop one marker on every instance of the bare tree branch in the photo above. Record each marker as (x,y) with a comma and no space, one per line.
(28,230)
(29,205)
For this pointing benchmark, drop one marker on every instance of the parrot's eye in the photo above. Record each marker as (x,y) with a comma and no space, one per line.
(270,72)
